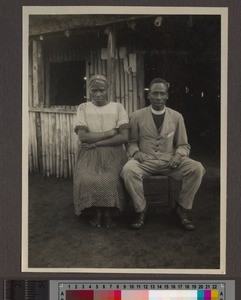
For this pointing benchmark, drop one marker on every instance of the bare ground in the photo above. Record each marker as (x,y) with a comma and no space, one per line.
(59,239)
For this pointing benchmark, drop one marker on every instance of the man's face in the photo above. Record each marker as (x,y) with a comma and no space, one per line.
(158,96)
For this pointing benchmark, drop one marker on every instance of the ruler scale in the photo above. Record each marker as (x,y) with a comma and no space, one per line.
(118,290)
(141,291)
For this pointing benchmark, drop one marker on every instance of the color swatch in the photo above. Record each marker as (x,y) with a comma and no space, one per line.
(142,295)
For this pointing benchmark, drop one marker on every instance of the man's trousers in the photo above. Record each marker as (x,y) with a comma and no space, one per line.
(189,172)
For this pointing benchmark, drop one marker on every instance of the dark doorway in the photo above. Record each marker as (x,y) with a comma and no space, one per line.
(67,83)
(186,52)
(194,91)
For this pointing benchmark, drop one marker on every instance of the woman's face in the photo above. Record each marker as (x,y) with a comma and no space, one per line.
(98,94)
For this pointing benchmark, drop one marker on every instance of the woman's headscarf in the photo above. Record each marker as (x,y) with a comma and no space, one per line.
(98,79)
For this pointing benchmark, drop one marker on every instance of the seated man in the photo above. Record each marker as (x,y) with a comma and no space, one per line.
(158,145)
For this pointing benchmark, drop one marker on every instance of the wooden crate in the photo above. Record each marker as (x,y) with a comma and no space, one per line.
(161,190)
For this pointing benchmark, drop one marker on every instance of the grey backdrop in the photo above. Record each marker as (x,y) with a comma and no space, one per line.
(11,139)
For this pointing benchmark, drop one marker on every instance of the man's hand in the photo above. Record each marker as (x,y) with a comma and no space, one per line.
(175,161)
(140,156)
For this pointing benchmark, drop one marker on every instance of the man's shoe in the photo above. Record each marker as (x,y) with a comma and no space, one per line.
(183,218)
(140,220)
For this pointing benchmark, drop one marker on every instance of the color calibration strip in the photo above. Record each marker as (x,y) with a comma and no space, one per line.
(142,295)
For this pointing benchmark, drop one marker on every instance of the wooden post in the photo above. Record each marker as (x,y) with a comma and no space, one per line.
(133,65)
(53,116)
(30,132)
(43,142)
(61,146)
(50,132)
(30,156)
(87,67)
(30,77)
(39,141)
(126,93)
(38,74)
(130,98)
(31,163)
(65,146)
(34,139)
(58,145)
(111,62)
(91,63)
(141,80)
(99,61)
(117,69)
(47,82)
(122,81)
(95,61)
(38,95)
(72,142)
(46,127)
(135,98)
(69,133)
(35,75)
(76,141)
(34,142)
(103,66)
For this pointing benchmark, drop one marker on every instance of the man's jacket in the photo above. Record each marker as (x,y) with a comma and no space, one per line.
(158,144)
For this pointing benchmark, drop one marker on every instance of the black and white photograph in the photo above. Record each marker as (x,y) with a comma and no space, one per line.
(124,115)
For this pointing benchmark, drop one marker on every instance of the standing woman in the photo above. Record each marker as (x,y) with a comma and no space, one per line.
(102,127)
